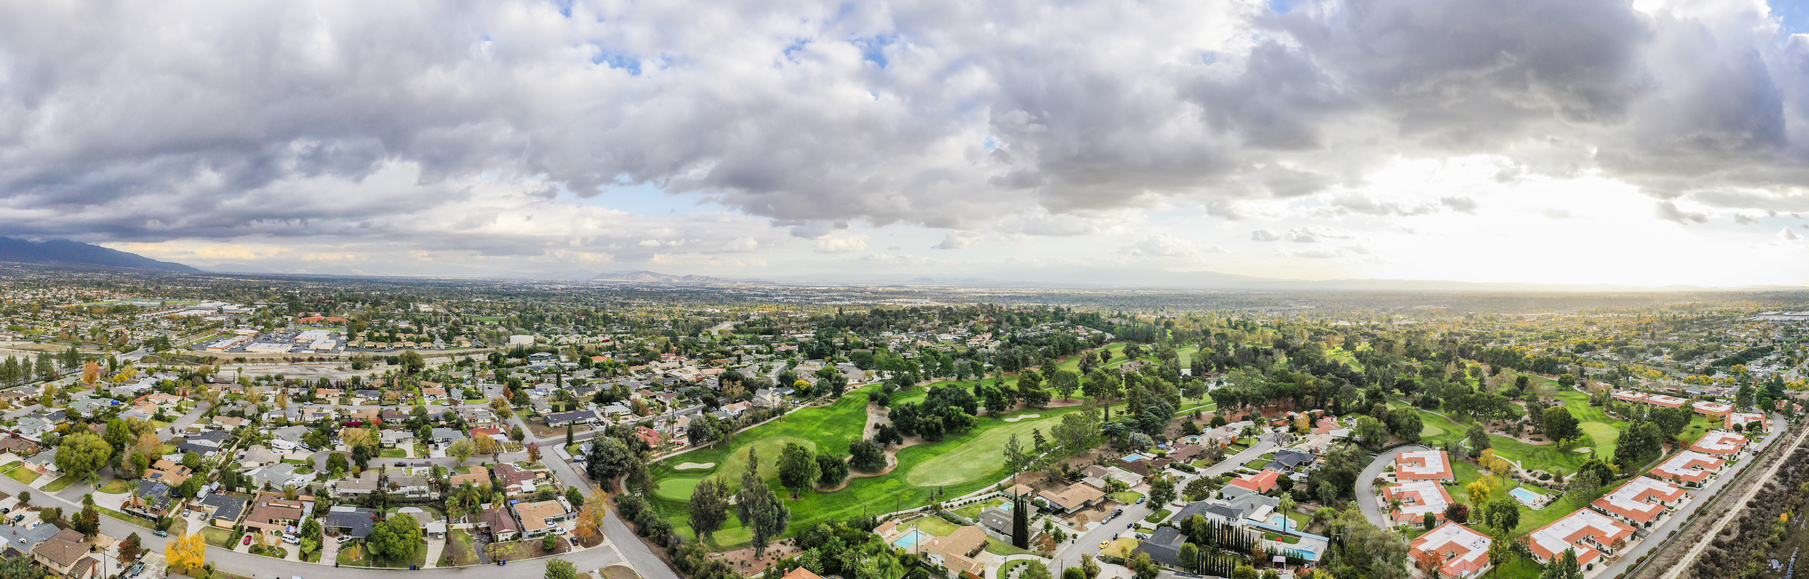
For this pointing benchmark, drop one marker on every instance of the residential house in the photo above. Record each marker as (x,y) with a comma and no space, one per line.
(1434,465)
(271,514)
(395,438)
(412,486)
(476,475)
(169,473)
(1461,551)
(365,483)
(1689,467)
(1261,482)
(1418,499)
(445,436)
(956,551)
(1593,535)
(538,518)
(348,521)
(19,541)
(288,438)
(557,419)
(211,439)
(516,480)
(1000,518)
(43,463)
(499,523)
(1640,501)
(1746,420)
(1163,546)
(32,427)
(1719,443)
(1712,409)
(220,509)
(1073,498)
(151,500)
(65,555)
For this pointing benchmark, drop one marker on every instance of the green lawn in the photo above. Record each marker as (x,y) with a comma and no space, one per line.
(59,484)
(393,453)
(24,475)
(1002,549)
(460,550)
(937,526)
(1127,497)
(954,466)
(114,487)
(216,536)
(1156,517)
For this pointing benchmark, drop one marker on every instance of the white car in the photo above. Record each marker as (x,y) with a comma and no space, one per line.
(291,539)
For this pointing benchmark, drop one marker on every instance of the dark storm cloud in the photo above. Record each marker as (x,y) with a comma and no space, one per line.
(163,120)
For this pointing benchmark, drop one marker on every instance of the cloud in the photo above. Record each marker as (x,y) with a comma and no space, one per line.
(1157,245)
(1788,234)
(1668,210)
(958,240)
(1745,219)
(841,243)
(1264,235)
(1314,233)
(1327,253)
(155,121)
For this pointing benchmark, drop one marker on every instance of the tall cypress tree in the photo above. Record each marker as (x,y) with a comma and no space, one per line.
(1020,524)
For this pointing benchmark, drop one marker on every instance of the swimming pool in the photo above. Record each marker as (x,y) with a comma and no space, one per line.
(1527,497)
(1134,457)
(909,539)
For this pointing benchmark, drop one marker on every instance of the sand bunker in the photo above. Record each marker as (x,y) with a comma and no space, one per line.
(1582,450)
(694,466)
(1023,417)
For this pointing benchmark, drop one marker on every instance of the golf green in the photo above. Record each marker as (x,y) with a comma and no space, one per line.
(677,488)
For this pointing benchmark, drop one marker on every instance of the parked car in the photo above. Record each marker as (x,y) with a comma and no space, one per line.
(401,463)
(160,533)
(291,539)
(1103,544)
(1141,499)
(247,540)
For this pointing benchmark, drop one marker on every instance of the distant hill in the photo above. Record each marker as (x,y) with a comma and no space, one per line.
(71,253)
(655,277)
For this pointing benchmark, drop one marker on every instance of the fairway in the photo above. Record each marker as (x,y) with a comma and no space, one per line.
(768,451)
(982,456)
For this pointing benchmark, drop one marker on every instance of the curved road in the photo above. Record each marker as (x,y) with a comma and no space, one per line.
(1366,484)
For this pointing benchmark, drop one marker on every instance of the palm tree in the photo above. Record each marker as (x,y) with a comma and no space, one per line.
(1287,507)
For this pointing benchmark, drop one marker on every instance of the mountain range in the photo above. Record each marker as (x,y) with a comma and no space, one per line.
(77,254)
(644,276)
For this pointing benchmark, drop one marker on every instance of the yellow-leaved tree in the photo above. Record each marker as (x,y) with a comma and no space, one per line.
(186,553)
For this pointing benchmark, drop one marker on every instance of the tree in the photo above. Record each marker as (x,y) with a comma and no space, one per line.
(757,508)
(709,507)
(560,569)
(1503,513)
(1560,425)
(1020,523)
(412,363)
(1287,505)
(131,547)
(1015,457)
(609,460)
(1479,438)
(1190,557)
(1373,433)
(87,522)
(186,553)
(594,513)
(1427,562)
(797,468)
(1161,491)
(1142,566)
(1582,487)
(1457,513)
(82,454)
(461,450)
(831,470)
(485,445)
(866,455)
(1564,567)
(337,463)
(395,539)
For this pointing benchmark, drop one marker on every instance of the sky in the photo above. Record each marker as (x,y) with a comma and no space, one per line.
(1650,142)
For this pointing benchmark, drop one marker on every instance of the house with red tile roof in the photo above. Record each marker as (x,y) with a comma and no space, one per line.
(1664,401)
(1719,443)
(1712,409)
(1260,482)
(1460,550)
(1418,499)
(1593,535)
(1742,419)
(1424,465)
(1640,501)
(1688,468)
(1630,396)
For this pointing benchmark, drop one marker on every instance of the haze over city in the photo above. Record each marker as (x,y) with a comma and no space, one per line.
(1562,142)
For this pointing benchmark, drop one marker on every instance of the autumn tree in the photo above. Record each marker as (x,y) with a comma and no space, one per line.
(186,553)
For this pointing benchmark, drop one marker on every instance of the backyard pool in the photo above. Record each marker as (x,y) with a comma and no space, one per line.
(1528,498)
(909,539)
(1134,457)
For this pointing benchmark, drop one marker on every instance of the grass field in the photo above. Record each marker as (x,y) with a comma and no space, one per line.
(22,474)
(952,467)
(59,484)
